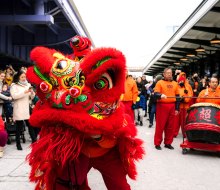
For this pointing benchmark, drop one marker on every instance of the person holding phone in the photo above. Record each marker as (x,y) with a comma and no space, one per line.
(22,92)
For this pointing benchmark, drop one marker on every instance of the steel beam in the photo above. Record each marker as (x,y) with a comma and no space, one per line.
(213,30)
(172,58)
(26,19)
(183,49)
(28,28)
(166,62)
(176,53)
(196,41)
(26,3)
(215,9)
(54,29)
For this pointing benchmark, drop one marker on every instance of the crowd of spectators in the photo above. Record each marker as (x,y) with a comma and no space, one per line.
(16,95)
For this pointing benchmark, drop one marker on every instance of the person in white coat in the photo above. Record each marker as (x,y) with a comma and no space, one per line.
(22,92)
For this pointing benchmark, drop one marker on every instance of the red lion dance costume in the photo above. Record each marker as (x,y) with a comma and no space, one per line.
(82,121)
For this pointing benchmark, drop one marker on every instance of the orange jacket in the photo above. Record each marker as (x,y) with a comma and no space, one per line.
(131,90)
(93,148)
(182,93)
(169,88)
(211,94)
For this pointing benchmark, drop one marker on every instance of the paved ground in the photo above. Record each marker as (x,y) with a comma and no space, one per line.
(160,170)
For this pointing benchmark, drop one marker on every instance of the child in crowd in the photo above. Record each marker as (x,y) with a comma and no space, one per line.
(7,106)
(8,78)
(140,108)
(141,105)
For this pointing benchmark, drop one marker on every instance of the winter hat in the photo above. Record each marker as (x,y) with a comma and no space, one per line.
(158,77)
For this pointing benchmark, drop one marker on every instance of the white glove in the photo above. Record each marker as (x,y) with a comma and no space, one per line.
(96,136)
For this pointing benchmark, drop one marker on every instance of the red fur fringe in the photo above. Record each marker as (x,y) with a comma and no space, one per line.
(131,150)
(57,145)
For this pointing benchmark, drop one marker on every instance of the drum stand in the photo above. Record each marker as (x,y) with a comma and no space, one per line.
(200,146)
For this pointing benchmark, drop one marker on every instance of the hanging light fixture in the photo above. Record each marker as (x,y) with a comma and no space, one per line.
(200,49)
(190,54)
(177,63)
(183,59)
(215,40)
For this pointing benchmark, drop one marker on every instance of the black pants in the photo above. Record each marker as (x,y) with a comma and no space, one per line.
(20,125)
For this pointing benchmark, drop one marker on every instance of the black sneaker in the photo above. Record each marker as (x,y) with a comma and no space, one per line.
(19,147)
(150,125)
(141,123)
(169,146)
(158,147)
(8,141)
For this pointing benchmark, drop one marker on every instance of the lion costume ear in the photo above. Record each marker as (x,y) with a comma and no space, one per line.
(43,59)
(104,70)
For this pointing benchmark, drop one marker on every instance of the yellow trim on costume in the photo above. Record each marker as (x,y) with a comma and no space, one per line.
(97,116)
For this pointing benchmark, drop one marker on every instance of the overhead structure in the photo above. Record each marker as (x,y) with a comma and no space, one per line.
(25,24)
(195,41)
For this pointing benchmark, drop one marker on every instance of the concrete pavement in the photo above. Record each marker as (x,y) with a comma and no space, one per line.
(160,170)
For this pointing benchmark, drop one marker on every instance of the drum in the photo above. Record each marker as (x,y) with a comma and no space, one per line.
(203,123)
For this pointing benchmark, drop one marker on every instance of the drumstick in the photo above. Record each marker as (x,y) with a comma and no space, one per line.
(193,97)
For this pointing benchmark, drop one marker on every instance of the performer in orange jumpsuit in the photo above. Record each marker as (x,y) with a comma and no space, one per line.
(212,92)
(129,98)
(185,90)
(166,91)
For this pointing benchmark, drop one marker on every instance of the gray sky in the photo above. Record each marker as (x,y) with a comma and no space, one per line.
(139,28)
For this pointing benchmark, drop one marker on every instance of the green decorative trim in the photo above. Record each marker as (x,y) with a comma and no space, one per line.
(99,63)
(43,77)
(48,96)
(91,111)
(77,77)
(68,97)
(102,83)
(81,98)
(58,105)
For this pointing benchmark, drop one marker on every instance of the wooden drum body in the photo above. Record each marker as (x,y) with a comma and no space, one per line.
(203,123)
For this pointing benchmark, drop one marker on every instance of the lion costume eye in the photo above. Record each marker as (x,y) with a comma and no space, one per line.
(104,82)
(61,64)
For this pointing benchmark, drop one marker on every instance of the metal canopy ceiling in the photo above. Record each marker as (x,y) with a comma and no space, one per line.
(25,24)
(202,26)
